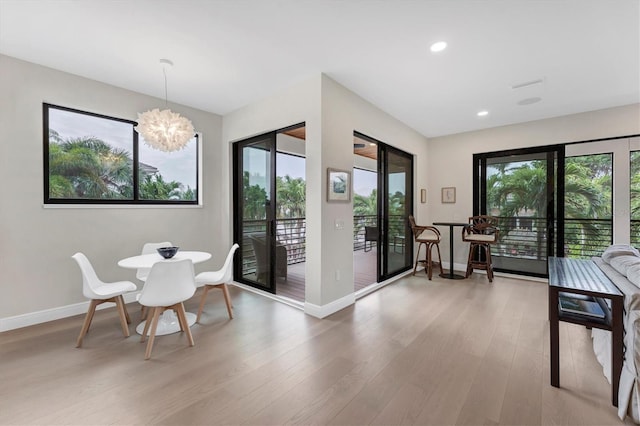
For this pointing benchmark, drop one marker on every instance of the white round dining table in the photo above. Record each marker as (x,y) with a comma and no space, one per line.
(147,260)
(168,322)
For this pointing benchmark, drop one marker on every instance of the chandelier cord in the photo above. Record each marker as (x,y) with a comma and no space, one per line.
(166,96)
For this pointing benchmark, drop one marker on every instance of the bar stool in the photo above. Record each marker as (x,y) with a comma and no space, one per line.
(429,236)
(481,233)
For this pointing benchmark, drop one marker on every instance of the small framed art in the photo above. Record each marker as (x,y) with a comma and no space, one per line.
(338,185)
(449,194)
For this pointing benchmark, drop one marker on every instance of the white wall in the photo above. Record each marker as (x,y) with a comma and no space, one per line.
(331,113)
(343,112)
(450,157)
(296,104)
(36,270)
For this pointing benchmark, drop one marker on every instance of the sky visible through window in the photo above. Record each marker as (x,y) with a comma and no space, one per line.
(364,181)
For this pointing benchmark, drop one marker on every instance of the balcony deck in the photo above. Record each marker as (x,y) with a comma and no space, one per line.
(364,271)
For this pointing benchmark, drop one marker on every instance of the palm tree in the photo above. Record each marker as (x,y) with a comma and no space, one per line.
(88,167)
(291,196)
(154,187)
(366,206)
(521,189)
(365,209)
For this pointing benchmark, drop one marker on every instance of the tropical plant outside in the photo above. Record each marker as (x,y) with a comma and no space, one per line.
(516,192)
(89,168)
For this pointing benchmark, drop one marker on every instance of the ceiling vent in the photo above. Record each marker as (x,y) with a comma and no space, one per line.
(527,84)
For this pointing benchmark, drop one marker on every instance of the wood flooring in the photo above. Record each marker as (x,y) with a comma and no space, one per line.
(364,274)
(415,352)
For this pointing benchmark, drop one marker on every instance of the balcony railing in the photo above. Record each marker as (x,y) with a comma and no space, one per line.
(521,237)
(585,238)
(527,237)
(292,234)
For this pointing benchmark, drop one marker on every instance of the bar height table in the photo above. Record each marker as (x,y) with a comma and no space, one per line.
(451,275)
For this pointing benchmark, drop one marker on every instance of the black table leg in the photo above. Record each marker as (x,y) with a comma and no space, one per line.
(451,275)
(554,337)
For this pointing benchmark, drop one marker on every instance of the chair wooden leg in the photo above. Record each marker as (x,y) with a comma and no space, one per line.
(203,299)
(429,258)
(87,322)
(439,257)
(126,313)
(143,312)
(182,317)
(417,259)
(150,313)
(180,323)
(227,299)
(489,264)
(152,335)
(122,312)
(472,248)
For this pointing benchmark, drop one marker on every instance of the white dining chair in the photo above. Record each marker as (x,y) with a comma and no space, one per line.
(143,273)
(100,292)
(150,248)
(168,285)
(217,279)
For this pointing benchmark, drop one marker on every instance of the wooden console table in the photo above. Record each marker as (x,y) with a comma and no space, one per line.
(581,276)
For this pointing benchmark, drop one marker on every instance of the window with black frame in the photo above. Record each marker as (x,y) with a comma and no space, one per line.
(96,159)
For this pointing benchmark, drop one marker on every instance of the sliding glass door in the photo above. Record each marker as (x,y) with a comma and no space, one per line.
(254,207)
(396,185)
(521,188)
(382,209)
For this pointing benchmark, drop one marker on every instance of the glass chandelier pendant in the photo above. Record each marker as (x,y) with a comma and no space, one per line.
(165,130)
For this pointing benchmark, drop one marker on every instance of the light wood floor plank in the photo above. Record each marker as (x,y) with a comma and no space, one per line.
(414,352)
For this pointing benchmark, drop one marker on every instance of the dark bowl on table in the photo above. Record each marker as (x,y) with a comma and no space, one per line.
(168,252)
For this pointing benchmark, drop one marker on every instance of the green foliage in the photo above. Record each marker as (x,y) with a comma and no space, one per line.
(520,190)
(154,187)
(254,200)
(366,206)
(89,168)
(291,197)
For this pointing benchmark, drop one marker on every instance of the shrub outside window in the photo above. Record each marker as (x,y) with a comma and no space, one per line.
(95,159)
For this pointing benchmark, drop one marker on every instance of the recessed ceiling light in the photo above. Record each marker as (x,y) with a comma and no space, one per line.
(372,144)
(483,113)
(438,46)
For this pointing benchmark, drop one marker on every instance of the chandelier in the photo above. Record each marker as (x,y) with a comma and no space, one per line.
(165,130)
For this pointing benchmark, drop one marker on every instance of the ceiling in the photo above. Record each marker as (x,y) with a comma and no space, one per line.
(361,146)
(231,53)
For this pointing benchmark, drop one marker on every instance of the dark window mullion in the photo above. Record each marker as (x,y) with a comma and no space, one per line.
(136,167)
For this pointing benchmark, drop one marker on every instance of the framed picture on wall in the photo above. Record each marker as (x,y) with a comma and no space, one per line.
(338,185)
(449,194)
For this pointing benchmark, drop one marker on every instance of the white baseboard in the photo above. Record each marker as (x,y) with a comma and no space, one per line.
(281,299)
(330,308)
(39,317)
(377,286)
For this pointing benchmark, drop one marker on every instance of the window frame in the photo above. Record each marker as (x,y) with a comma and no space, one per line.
(135,201)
